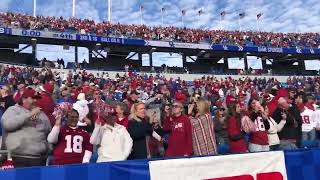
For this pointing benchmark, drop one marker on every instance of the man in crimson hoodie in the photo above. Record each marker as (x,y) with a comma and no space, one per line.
(46,102)
(180,133)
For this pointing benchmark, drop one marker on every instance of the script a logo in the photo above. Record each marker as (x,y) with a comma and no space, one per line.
(260,176)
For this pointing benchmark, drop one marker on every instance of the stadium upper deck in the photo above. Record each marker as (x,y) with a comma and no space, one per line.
(120,39)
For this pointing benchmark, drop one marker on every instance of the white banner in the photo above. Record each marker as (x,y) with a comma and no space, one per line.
(255,166)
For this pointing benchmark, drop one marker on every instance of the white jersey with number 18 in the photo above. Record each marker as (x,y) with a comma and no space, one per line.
(308,120)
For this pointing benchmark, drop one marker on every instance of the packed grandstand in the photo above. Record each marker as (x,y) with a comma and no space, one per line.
(67,116)
(85,26)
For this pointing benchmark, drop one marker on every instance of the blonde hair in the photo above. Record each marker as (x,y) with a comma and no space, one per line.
(203,106)
(7,89)
(133,111)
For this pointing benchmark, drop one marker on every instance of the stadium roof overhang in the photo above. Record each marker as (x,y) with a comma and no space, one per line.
(126,49)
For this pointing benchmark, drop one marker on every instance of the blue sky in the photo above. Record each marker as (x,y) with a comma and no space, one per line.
(280,16)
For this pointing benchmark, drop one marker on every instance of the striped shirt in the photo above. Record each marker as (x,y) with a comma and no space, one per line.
(203,137)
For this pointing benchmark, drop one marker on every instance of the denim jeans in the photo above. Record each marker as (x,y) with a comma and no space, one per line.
(309,136)
(287,145)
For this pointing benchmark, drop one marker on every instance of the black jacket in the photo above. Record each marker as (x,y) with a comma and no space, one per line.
(294,110)
(138,131)
(290,130)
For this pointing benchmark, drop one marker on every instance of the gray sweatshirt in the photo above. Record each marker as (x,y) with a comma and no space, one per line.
(25,137)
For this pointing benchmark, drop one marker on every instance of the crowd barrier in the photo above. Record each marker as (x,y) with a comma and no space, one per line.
(292,165)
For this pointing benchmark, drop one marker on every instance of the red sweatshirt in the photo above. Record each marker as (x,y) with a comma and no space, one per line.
(180,136)
(237,142)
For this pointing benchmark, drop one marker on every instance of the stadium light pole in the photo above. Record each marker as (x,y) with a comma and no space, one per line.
(109,10)
(34,8)
(182,21)
(141,15)
(73,8)
(220,22)
(183,13)
(162,17)
(239,21)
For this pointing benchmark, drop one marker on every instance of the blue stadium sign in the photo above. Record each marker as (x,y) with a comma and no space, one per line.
(63,36)
(165,44)
(4,30)
(31,33)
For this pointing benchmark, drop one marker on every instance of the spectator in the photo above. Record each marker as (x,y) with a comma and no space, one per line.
(126,68)
(273,138)
(288,135)
(113,140)
(35,84)
(133,98)
(62,63)
(96,106)
(71,142)
(46,102)
(203,137)
(65,96)
(7,97)
(139,128)
(259,138)
(155,105)
(236,135)
(21,85)
(309,121)
(295,109)
(220,127)
(2,110)
(180,133)
(82,107)
(156,145)
(122,114)
(166,117)
(27,129)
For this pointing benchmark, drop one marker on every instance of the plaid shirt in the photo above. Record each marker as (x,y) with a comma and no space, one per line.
(203,137)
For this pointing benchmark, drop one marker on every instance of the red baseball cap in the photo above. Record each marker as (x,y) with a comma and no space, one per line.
(29,92)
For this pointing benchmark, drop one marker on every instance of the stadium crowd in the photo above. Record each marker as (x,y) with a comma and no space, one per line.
(78,117)
(188,35)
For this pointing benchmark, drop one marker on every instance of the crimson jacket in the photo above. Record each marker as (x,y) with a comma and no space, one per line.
(180,136)
(237,141)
